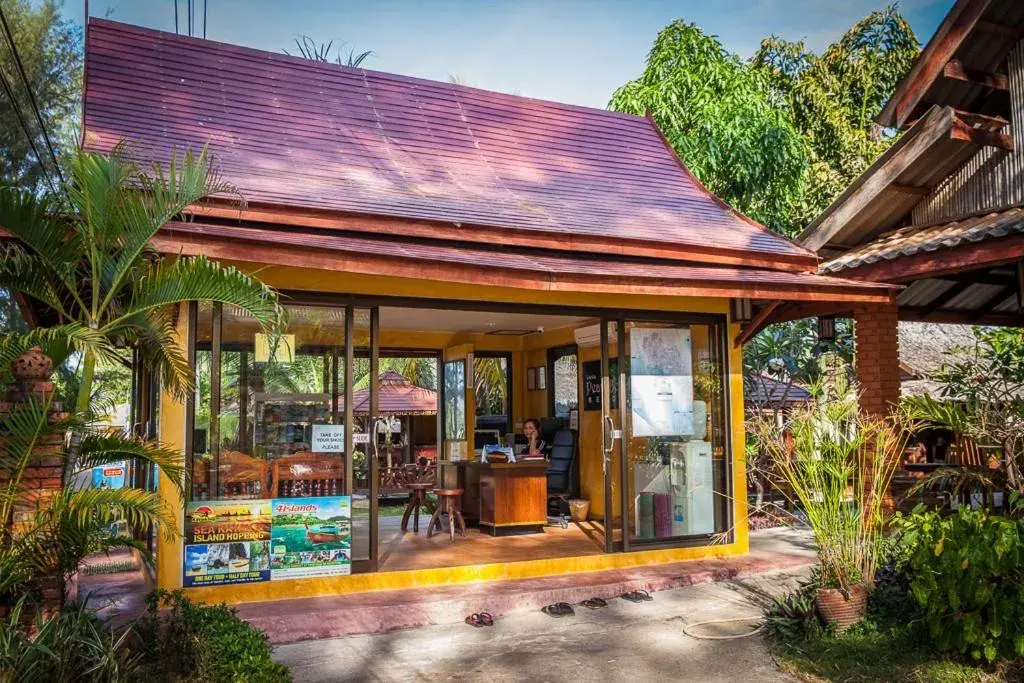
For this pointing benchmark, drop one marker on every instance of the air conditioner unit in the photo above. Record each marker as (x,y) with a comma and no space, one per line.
(591,335)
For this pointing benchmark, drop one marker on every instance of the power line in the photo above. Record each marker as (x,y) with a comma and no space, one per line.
(31,96)
(25,130)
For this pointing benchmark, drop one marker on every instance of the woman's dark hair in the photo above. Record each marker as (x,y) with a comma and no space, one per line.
(534,421)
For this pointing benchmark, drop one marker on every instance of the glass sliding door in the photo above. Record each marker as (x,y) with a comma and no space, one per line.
(673,466)
(611,435)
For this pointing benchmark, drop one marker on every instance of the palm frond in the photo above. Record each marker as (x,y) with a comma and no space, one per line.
(200,279)
(153,335)
(31,219)
(26,273)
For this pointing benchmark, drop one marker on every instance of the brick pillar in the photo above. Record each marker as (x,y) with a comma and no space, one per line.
(878,357)
(42,478)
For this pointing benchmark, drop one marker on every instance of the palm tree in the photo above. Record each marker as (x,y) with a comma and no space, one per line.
(87,257)
(74,521)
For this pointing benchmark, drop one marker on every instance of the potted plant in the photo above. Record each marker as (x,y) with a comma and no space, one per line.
(837,465)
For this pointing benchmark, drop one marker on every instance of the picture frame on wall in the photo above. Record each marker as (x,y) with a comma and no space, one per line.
(542,378)
(531,379)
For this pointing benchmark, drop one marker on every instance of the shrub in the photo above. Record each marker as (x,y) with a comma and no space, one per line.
(792,617)
(967,576)
(191,642)
(74,646)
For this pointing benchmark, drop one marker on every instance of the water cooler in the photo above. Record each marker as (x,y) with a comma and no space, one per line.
(693,510)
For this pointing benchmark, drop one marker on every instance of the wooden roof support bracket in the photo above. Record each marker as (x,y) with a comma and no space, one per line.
(979,136)
(956,71)
(758,322)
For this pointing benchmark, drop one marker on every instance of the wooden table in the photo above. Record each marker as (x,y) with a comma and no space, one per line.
(504,498)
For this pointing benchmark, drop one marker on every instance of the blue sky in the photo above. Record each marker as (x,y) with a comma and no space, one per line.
(573,51)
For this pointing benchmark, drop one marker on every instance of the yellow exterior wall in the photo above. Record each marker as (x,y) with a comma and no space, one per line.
(530,351)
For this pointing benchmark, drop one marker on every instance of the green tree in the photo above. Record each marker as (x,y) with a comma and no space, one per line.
(94,266)
(835,97)
(724,120)
(49,47)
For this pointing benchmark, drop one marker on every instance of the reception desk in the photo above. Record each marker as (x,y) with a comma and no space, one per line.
(504,498)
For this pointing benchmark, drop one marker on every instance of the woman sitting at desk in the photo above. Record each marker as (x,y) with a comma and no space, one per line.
(535,445)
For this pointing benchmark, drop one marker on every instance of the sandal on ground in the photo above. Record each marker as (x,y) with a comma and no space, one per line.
(637,596)
(486,619)
(476,621)
(594,603)
(559,609)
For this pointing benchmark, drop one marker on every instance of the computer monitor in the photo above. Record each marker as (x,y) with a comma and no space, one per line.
(485,437)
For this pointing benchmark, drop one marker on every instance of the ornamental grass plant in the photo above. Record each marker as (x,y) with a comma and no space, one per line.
(835,464)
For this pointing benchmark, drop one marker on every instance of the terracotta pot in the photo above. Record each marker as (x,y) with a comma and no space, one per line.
(839,610)
(32,365)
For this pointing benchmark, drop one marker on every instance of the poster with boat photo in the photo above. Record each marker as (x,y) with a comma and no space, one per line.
(311,537)
(661,381)
(226,541)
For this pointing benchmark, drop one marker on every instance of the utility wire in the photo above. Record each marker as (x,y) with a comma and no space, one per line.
(24,129)
(31,96)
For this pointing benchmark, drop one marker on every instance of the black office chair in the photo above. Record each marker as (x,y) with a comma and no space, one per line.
(561,475)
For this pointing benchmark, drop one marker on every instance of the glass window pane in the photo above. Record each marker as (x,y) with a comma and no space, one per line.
(455,400)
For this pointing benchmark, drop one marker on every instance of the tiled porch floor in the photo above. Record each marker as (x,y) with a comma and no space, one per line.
(401,551)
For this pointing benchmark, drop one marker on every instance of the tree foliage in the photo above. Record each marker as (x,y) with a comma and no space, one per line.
(724,120)
(48,45)
(308,48)
(780,135)
(835,97)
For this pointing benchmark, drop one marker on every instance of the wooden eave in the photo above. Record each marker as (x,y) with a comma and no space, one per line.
(255,213)
(503,267)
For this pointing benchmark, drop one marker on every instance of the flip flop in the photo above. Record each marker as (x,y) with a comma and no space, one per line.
(594,603)
(637,596)
(486,619)
(558,610)
(476,621)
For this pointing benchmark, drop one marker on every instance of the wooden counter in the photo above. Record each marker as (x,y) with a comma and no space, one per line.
(506,498)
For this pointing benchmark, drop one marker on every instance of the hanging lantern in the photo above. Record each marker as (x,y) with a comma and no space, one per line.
(826,329)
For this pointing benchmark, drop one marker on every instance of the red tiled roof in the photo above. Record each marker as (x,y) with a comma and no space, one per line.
(396,395)
(302,135)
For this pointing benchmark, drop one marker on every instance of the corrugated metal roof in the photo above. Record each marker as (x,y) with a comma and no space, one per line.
(913,240)
(289,132)
(576,267)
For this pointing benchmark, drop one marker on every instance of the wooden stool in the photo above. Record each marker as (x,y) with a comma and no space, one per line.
(417,498)
(447,502)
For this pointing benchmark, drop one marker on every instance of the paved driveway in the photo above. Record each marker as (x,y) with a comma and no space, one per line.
(623,642)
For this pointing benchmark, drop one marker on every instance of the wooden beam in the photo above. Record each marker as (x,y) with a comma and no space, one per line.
(758,322)
(986,121)
(934,58)
(933,264)
(910,190)
(956,71)
(1012,32)
(963,318)
(979,136)
(990,303)
(870,184)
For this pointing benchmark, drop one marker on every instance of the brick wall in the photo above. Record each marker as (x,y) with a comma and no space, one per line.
(42,478)
(878,359)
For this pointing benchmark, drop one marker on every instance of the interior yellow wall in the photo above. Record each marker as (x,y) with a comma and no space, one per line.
(529,351)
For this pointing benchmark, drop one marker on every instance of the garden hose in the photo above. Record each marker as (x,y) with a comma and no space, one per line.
(760,627)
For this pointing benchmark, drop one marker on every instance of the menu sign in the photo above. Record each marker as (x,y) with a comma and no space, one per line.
(245,541)
(592,384)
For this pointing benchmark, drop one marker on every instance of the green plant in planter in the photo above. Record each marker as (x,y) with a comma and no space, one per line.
(967,576)
(837,465)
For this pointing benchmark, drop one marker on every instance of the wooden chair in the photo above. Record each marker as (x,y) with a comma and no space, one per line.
(241,474)
(308,474)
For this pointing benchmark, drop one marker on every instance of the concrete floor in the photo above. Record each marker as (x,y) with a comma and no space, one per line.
(623,642)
